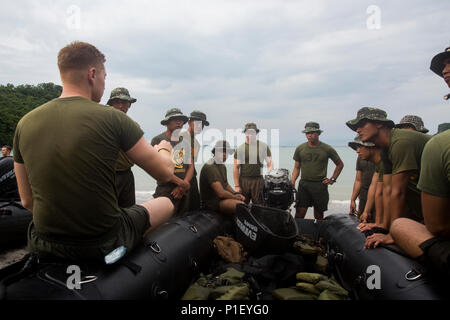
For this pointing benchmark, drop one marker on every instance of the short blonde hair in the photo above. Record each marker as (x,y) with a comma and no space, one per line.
(79,56)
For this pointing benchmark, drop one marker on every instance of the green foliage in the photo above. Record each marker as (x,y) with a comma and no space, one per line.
(15,102)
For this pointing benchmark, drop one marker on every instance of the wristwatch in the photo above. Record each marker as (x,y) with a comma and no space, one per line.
(333,179)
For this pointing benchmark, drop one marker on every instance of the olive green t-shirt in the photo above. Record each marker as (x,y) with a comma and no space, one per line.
(178,156)
(367,168)
(404,154)
(123,162)
(251,158)
(435,171)
(69,147)
(212,172)
(314,160)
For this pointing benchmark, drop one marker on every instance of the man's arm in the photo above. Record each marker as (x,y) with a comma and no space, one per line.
(269,163)
(356,188)
(236,175)
(183,185)
(387,188)
(436,214)
(398,194)
(24,186)
(379,205)
(370,197)
(222,193)
(337,171)
(157,164)
(295,173)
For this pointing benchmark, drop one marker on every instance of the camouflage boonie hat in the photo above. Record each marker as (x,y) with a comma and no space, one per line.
(198,115)
(358,142)
(443,127)
(122,94)
(437,63)
(250,126)
(174,113)
(415,121)
(312,127)
(370,114)
(222,145)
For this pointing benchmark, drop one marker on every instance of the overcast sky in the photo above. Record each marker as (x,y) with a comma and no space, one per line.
(276,63)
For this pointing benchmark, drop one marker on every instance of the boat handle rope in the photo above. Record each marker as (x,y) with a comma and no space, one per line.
(155,247)
(413,275)
(88,279)
(193,229)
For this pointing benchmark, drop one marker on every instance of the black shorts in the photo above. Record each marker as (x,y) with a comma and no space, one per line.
(126,195)
(437,254)
(312,194)
(127,232)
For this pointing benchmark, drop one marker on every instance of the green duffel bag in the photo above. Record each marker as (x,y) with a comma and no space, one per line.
(292,294)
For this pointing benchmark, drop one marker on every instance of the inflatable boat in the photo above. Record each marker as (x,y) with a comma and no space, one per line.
(384,273)
(162,267)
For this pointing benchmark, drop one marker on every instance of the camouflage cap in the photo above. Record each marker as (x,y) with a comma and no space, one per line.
(222,145)
(443,127)
(198,115)
(413,120)
(370,114)
(250,126)
(174,113)
(358,142)
(437,63)
(122,94)
(312,127)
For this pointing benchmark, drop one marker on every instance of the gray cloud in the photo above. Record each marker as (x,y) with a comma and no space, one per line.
(276,63)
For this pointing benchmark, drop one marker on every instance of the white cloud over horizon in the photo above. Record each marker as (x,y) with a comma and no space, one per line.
(276,63)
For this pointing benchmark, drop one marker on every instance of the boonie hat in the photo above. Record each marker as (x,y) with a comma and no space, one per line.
(358,142)
(312,127)
(415,121)
(443,127)
(437,63)
(222,145)
(371,114)
(250,126)
(122,94)
(198,115)
(174,113)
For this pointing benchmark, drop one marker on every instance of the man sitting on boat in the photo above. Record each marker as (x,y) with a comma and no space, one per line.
(215,192)
(402,150)
(431,242)
(65,154)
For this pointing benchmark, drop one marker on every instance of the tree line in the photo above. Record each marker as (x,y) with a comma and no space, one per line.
(17,101)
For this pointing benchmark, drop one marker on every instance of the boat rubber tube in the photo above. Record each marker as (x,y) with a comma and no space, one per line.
(357,269)
(14,221)
(162,267)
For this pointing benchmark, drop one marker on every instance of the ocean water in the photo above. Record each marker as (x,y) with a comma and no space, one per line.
(340,192)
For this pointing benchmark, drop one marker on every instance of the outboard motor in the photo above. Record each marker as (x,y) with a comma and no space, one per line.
(278,191)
